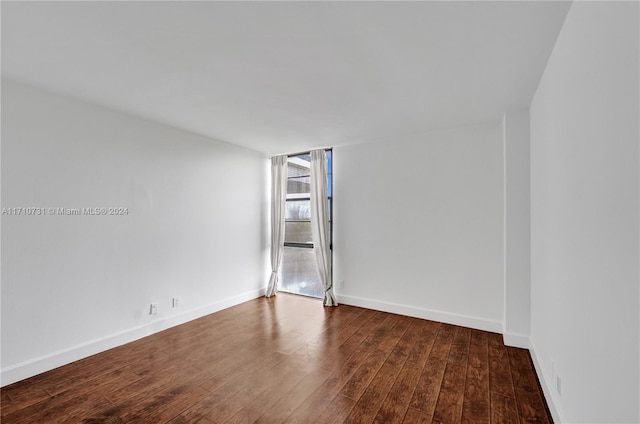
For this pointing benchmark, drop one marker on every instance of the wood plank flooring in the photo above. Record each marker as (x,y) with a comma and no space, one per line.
(288,359)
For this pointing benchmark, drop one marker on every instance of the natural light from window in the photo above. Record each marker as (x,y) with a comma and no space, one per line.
(299,272)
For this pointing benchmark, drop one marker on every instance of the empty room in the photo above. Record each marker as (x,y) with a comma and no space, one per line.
(320,212)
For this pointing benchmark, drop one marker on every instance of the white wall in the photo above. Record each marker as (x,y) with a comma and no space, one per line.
(517,240)
(418,225)
(74,285)
(585,216)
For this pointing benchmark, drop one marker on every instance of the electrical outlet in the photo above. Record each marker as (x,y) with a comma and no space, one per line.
(340,284)
(153,310)
(175,302)
(559,385)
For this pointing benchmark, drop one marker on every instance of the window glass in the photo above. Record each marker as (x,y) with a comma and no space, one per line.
(298,232)
(300,273)
(299,270)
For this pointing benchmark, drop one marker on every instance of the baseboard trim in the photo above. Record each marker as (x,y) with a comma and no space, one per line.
(57,359)
(549,394)
(417,312)
(515,340)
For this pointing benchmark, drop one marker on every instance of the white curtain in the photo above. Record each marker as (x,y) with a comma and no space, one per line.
(278,197)
(320,223)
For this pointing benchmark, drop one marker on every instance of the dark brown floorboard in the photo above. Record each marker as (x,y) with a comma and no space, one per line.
(290,360)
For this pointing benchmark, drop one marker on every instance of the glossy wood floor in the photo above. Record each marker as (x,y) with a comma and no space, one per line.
(291,360)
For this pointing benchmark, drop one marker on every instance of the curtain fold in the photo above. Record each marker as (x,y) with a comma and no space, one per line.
(278,197)
(320,223)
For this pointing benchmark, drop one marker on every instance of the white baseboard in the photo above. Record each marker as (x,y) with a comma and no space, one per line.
(53,360)
(515,340)
(547,388)
(417,312)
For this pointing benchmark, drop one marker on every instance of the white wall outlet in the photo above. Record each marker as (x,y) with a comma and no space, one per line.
(340,284)
(153,310)
(175,302)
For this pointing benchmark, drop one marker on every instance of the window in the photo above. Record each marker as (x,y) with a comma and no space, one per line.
(299,272)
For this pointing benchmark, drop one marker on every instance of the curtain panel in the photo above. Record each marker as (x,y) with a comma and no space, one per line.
(320,230)
(278,197)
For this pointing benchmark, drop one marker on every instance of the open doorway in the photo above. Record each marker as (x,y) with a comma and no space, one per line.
(299,271)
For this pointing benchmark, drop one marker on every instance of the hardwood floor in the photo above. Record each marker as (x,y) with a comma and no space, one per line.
(290,360)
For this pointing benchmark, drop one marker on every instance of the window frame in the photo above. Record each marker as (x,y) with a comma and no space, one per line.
(309,245)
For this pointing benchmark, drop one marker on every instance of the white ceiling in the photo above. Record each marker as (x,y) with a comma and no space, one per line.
(286,76)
